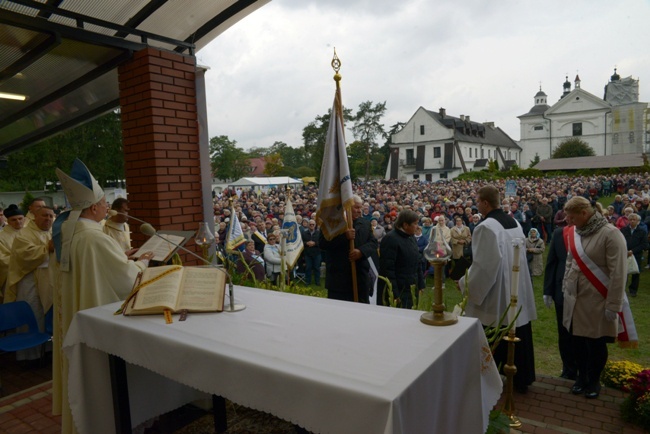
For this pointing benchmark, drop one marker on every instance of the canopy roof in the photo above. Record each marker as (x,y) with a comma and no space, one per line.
(62,55)
(597,162)
(265,182)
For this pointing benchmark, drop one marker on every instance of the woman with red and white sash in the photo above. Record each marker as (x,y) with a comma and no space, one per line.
(594,289)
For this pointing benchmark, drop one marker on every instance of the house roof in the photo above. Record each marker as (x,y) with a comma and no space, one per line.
(475,132)
(258,165)
(599,162)
(63,55)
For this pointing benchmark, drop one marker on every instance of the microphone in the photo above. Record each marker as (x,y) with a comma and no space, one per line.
(148,230)
(113,213)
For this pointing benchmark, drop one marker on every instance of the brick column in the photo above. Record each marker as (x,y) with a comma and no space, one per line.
(160,136)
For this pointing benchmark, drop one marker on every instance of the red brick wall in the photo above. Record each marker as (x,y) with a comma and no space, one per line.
(161,142)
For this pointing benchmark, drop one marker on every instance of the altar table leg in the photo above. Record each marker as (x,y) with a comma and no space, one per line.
(219,414)
(120,389)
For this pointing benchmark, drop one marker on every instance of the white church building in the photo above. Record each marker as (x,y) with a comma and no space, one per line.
(434,145)
(616,124)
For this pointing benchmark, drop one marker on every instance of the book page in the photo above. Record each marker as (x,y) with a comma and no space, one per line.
(163,292)
(202,289)
(160,248)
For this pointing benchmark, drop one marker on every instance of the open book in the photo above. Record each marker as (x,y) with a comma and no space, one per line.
(162,250)
(173,287)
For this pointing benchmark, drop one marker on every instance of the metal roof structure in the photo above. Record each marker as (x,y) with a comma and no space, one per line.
(62,55)
(598,162)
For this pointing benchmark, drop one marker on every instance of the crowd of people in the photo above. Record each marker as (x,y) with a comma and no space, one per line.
(393,222)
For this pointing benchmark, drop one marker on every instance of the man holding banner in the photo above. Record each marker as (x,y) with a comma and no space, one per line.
(348,244)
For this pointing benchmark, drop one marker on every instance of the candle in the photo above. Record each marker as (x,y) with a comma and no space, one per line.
(514,282)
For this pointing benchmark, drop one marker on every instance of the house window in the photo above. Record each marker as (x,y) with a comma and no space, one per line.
(470,152)
(410,160)
(489,153)
(615,138)
(436,152)
(631,136)
(416,176)
(443,175)
(577,129)
(538,128)
(421,130)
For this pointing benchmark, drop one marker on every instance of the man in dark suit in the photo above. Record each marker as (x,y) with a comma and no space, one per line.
(258,237)
(338,279)
(637,241)
(553,275)
(311,252)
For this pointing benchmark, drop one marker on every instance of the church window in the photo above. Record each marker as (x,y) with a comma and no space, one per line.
(631,136)
(615,138)
(421,130)
(436,152)
(470,152)
(577,129)
(538,127)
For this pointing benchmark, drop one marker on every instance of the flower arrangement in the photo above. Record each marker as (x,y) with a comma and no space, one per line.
(617,373)
(636,407)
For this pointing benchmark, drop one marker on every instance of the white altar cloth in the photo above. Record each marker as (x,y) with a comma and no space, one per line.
(326,365)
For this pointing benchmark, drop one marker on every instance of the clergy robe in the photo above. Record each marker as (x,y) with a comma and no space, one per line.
(28,278)
(490,284)
(100,273)
(6,241)
(119,232)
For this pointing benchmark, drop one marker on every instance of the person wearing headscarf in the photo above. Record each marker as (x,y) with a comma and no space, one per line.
(534,252)
(93,270)
(377,230)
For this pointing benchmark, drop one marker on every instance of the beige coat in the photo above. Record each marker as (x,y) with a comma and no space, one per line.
(536,266)
(583,304)
(456,237)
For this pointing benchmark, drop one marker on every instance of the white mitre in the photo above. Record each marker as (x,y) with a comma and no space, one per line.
(82,190)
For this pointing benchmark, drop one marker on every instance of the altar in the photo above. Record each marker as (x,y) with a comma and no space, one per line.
(326,365)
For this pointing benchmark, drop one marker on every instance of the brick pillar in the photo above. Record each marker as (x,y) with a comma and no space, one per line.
(160,136)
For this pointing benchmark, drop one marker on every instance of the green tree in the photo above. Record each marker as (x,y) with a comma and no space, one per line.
(357,159)
(368,128)
(534,161)
(573,147)
(274,166)
(314,136)
(98,143)
(291,157)
(228,161)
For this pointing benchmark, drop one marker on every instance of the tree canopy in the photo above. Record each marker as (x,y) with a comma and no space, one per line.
(228,161)
(573,147)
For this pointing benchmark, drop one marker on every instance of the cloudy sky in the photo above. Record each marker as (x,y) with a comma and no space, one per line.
(270,74)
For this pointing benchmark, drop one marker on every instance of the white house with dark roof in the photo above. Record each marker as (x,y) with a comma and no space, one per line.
(433,145)
(616,124)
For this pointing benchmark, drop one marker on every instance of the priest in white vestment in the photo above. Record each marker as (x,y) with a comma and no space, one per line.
(28,277)
(34,206)
(15,220)
(489,282)
(92,271)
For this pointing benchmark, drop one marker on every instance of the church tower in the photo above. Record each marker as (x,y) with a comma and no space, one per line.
(567,87)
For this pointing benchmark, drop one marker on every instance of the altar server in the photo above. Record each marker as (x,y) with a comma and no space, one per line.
(490,282)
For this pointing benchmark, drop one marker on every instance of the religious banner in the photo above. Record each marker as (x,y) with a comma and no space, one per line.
(335,189)
(235,238)
(293,246)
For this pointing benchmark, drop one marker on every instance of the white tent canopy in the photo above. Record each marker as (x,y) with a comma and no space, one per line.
(265,182)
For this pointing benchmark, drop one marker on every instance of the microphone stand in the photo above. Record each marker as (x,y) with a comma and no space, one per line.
(148,229)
